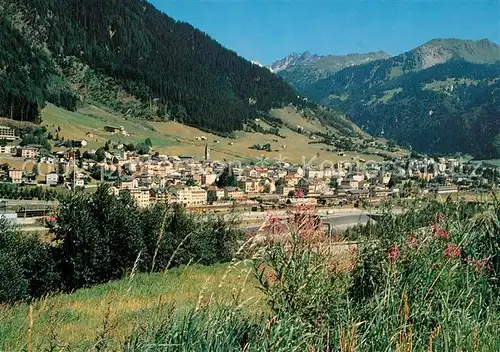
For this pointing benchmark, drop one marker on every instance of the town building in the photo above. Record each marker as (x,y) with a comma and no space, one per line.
(249,186)
(7,149)
(27,152)
(207,152)
(384,178)
(128,183)
(159,195)
(52,179)
(7,133)
(139,195)
(193,195)
(313,173)
(215,193)
(208,179)
(16,175)
(78,182)
(232,193)
(444,189)
(284,190)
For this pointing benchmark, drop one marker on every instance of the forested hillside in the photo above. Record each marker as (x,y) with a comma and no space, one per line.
(130,57)
(442,97)
(23,74)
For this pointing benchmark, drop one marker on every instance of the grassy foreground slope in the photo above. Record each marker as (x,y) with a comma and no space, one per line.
(424,280)
(178,139)
(76,319)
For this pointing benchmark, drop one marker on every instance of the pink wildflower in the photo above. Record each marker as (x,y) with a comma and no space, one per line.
(440,217)
(452,251)
(394,252)
(482,264)
(299,193)
(249,236)
(261,269)
(440,232)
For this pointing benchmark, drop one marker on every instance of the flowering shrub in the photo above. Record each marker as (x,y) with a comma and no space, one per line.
(412,242)
(439,232)
(408,289)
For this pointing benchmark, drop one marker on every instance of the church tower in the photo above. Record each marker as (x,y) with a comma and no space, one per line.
(207,152)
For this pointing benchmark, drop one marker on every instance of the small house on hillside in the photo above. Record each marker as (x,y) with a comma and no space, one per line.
(113,129)
(52,179)
(16,175)
(7,149)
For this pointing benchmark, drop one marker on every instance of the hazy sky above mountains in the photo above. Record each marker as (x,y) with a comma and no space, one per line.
(269,30)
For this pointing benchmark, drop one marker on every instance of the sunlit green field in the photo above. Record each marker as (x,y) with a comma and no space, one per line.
(75,320)
(177,139)
(92,120)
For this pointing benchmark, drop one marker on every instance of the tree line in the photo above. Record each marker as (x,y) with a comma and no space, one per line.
(100,237)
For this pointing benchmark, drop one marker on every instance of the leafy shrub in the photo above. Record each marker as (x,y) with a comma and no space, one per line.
(174,237)
(100,237)
(426,278)
(13,284)
(28,268)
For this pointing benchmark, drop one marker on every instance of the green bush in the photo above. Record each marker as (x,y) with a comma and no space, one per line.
(173,237)
(100,237)
(28,268)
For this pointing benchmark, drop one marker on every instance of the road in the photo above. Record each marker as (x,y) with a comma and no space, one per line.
(18,202)
(338,219)
(31,229)
(329,213)
(342,222)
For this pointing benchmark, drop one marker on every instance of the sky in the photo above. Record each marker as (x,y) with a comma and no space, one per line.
(266,31)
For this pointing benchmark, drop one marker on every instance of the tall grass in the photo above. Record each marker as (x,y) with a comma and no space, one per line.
(427,280)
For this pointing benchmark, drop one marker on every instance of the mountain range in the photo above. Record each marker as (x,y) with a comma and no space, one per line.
(302,70)
(441,97)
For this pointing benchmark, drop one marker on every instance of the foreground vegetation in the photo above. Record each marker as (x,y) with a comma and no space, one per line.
(98,237)
(74,321)
(424,280)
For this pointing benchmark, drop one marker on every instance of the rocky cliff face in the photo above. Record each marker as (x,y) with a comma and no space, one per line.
(303,70)
(291,60)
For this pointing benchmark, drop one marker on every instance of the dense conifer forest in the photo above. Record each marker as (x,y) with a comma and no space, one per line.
(68,51)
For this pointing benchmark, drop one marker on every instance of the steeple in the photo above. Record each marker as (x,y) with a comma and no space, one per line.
(207,152)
